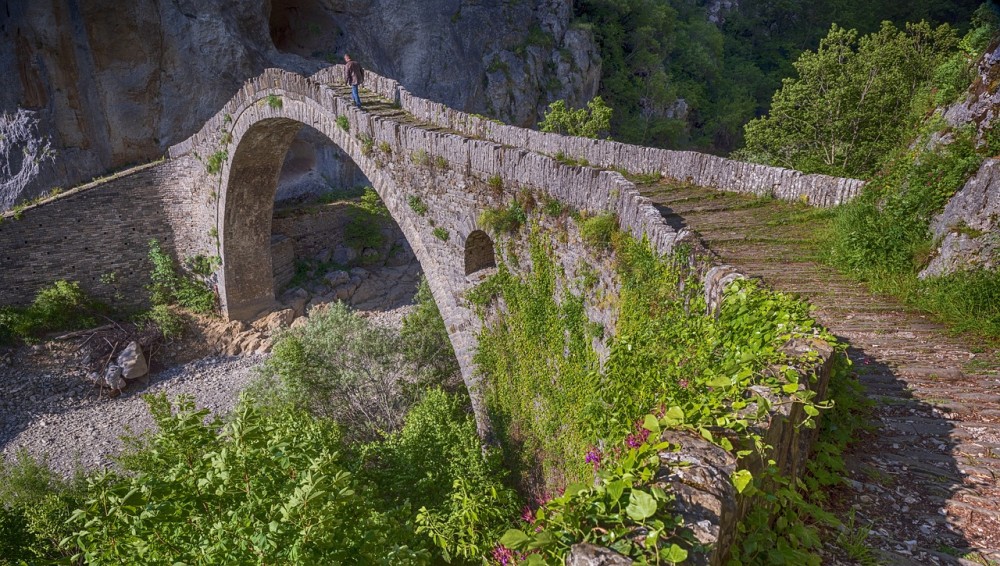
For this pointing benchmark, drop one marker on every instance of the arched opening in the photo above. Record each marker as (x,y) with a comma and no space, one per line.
(303,27)
(294,232)
(479,254)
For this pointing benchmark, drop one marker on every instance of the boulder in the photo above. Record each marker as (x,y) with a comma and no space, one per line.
(113,379)
(337,277)
(132,362)
(343,255)
(296,300)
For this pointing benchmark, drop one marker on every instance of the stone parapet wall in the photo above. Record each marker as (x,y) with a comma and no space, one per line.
(684,166)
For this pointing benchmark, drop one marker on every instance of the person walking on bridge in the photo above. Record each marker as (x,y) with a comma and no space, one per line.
(354,75)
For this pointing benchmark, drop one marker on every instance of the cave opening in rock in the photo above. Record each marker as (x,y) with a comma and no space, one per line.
(304,27)
(324,245)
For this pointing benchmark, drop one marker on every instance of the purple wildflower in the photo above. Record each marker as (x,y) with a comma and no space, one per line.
(637,438)
(503,555)
(593,457)
(527,515)
(683,383)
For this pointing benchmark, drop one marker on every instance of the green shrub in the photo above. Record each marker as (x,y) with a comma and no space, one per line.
(274,101)
(170,323)
(556,403)
(270,486)
(590,122)
(59,307)
(364,230)
(851,104)
(441,162)
(343,123)
(372,204)
(552,207)
(440,233)
(503,220)
(35,505)
(495,183)
(367,144)
(885,227)
(168,286)
(598,231)
(420,158)
(437,461)
(345,368)
(385,148)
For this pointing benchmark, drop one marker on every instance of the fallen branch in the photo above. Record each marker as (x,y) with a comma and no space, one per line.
(79,333)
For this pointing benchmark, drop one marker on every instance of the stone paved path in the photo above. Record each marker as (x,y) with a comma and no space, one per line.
(927,478)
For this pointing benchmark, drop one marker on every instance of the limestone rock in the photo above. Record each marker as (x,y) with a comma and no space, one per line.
(132,362)
(967,232)
(343,255)
(586,554)
(113,379)
(335,278)
(296,300)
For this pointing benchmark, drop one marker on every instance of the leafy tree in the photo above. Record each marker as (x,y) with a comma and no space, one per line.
(589,122)
(850,105)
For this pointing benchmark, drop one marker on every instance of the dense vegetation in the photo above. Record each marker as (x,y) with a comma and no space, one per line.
(566,421)
(657,53)
(287,479)
(870,107)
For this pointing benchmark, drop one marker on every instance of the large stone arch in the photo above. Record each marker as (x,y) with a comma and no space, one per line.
(260,134)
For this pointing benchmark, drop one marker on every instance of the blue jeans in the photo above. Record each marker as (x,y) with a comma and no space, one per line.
(354,95)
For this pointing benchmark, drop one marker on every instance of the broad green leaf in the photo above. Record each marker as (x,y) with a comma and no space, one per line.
(741,479)
(674,554)
(515,539)
(616,488)
(641,505)
(673,416)
(652,424)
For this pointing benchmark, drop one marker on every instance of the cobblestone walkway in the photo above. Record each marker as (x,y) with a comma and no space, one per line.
(927,479)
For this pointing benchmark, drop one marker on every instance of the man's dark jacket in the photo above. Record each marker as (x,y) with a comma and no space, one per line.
(353,73)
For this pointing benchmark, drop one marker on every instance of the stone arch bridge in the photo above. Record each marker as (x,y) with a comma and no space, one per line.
(214,193)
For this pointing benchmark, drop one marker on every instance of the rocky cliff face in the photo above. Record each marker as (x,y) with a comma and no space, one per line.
(967,232)
(507,59)
(115,83)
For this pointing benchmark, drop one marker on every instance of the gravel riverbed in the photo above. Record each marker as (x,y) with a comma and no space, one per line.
(49,409)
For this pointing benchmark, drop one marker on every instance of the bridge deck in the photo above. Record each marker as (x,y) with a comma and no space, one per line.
(930,472)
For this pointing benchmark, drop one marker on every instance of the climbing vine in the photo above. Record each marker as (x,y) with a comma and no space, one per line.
(571,419)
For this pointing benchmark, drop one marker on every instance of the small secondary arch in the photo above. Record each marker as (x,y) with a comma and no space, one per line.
(479,252)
